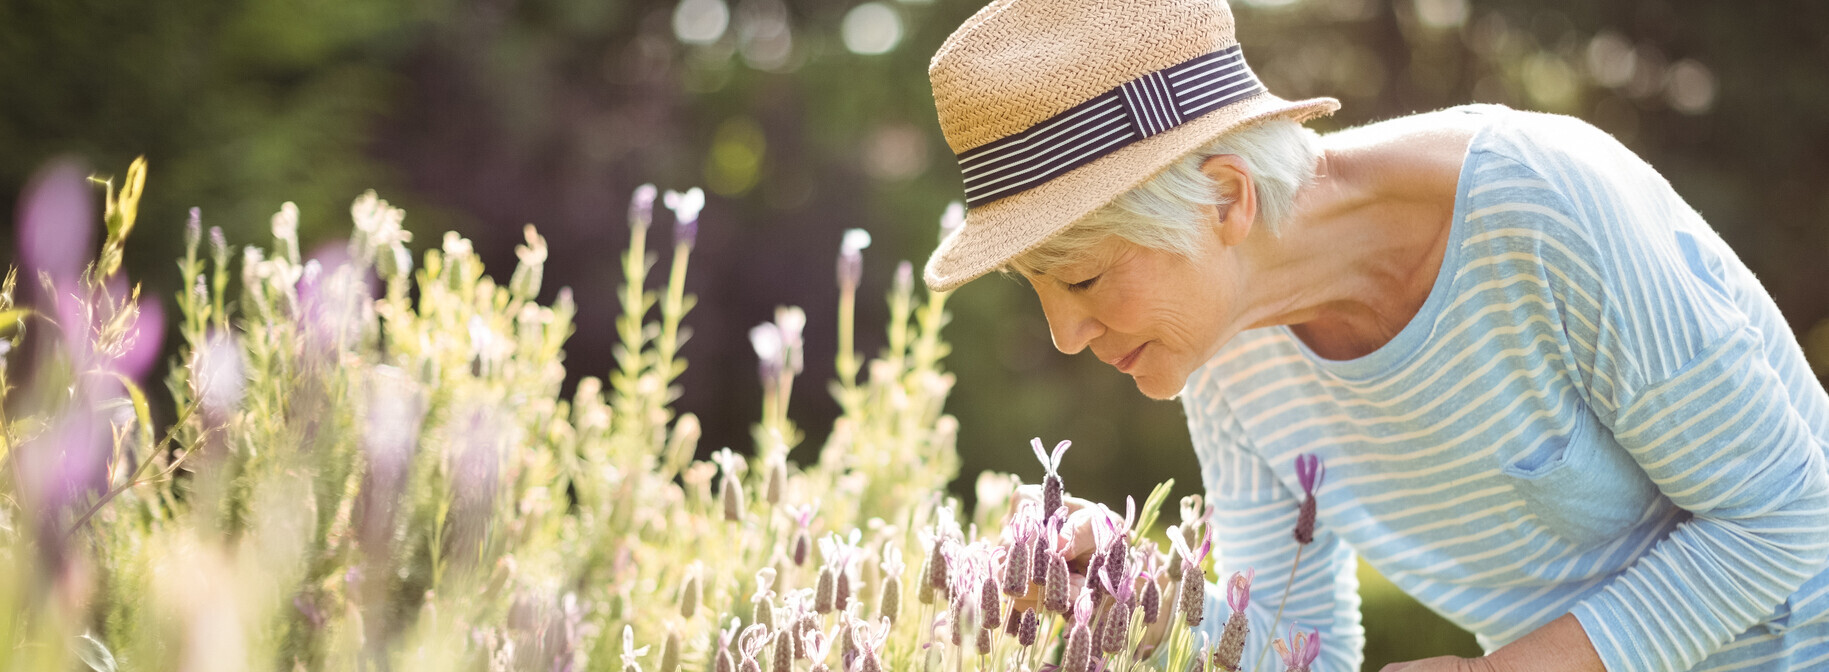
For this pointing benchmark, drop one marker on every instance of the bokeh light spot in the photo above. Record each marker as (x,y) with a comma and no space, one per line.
(700,21)
(1441,13)
(1690,88)
(1550,82)
(1611,60)
(735,163)
(871,28)
(895,152)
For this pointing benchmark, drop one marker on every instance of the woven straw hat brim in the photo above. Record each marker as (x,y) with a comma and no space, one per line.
(997,232)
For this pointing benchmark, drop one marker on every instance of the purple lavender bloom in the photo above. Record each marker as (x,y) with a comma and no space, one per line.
(851,258)
(1301,649)
(1238,589)
(1052,491)
(685,207)
(57,222)
(952,219)
(641,207)
(1309,472)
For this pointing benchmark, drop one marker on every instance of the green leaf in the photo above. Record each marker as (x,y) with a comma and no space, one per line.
(10,318)
(141,412)
(1152,507)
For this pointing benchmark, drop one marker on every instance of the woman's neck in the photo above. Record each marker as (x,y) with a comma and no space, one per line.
(1362,250)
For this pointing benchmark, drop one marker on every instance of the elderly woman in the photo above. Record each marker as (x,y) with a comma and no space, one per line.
(1552,405)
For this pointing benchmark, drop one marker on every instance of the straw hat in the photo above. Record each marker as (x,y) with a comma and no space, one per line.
(1056,107)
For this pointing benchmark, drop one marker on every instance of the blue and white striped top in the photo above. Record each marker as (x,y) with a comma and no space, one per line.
(1597,410)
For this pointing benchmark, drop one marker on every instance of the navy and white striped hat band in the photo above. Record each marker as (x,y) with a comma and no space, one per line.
(1110,121)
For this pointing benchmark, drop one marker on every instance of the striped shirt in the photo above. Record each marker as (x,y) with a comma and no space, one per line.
(1598,410)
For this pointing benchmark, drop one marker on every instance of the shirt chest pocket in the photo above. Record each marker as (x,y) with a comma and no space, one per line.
(1583,488)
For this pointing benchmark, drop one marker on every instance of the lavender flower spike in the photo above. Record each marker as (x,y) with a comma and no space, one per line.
(1231,647)
(851,257)
(641,207)
(685,207)
(1052,490)
(1309,472)
(629,652)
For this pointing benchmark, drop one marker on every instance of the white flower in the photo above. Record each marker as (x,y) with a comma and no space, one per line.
(685,206)
(629,652)
(854,243)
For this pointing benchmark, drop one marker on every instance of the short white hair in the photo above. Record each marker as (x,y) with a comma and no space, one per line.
(1165,213)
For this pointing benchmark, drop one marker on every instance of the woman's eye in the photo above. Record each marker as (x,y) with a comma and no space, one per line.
(1084,284)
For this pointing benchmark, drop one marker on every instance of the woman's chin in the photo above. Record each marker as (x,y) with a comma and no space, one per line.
(1157,386)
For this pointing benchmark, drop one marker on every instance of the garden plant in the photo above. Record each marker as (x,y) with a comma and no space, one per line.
(372,467)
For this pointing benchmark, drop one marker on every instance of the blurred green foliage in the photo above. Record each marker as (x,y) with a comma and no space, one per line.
(492,113)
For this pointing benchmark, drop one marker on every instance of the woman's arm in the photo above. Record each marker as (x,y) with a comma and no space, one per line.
(1559,645)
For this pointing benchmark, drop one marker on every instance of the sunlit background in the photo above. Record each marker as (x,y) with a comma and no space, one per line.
(804,118)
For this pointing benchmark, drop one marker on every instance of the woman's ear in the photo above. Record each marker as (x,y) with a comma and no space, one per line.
(1232,182)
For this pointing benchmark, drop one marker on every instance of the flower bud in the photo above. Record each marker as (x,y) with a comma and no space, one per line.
(1078,656)
(1151,601)
(777,480)
(1031,626)
(730,490)
(891,601)
(851,258)
(641,207)
(1305,522)
(690,594)
(193,229)
(784,651)
(1016,569)
(984,641)
(670,653)
(803,546)
(685,207)
(1231,649)
(1054,594)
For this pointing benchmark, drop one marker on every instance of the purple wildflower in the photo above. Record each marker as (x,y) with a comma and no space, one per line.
(1310,472)
(1052,491)
(952,219)
(803,536)
(1193,578)
(1301,649)
(1231,649)
(56,222)
(685,207)
(629,652)
(641,207)
(851,258)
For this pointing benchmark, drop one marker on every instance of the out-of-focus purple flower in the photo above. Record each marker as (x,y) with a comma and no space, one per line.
(685,207)
(193,228)
(952,219)
(1052,490)
(217,376)
(57,222)
(766,339)
(904,278)
(140,348)
(1238,589)
(851,258)
(641,207)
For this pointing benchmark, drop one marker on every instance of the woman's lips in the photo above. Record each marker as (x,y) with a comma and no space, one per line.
(1130,360)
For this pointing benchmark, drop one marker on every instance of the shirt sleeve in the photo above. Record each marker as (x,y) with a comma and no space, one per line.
(1680,375)
(1253,528)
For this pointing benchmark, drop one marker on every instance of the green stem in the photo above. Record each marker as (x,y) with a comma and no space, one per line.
(1274,621)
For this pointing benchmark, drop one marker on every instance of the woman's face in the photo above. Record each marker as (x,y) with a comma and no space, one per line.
(1153,314)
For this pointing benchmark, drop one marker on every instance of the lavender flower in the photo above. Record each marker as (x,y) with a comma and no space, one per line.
(1310,472)
(988,602)
(1116,630)
(690,593)
(764,597)
(1016,572)
(56,222)
(1031,626)
(777,480)
(890,603)
(1151,602)
(724,661)
(1054,593)
(952,219)
(629,652)
(1194,579)
(749,645)
(851,258)
(670,652)
(871,640)
(1052,492)
(784,651)
(1044,538)
(826,592)
(641,207)
(1301,649)
(803,536)
(1078,655)
(817,646)
(685,207)
(1231,649)
(730,488)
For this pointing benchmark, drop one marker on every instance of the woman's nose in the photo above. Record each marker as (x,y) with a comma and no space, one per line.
(1071,326)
